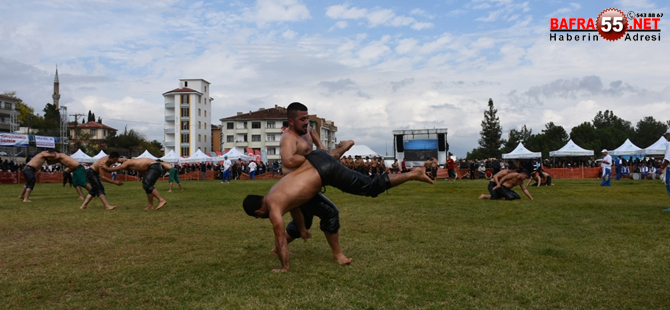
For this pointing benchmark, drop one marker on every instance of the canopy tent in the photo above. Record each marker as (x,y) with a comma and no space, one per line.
(361,150)
(146,154)
(658,148)
(627,150)
(198,156)
(571,149)
(171,157)
(82,157)
(100,155)
(521,152)
(233,154)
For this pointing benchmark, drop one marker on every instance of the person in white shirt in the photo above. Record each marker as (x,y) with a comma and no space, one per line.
(644,171)
(606,164)
(252,169)
(226,170)
(665,167)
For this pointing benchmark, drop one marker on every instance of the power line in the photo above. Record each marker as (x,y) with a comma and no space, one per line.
(124,120)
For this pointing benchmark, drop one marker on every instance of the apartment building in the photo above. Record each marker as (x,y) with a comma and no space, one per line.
(188,118)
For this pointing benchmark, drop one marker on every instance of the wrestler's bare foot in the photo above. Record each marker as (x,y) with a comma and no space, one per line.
(21,197)
(83,207)
(80,198)
(149,208)
(420,175)
(26,200)
(161,204)
(110,208)
(343,260)
(170,191)
(482,196)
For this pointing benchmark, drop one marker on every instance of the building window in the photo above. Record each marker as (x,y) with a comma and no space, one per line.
(185,99)
(270,138)
(199,98)
(271,125)
(230,125)
(199,137)
(94,132)
(272,151)
(230,138)
(199,112)
(255,125)
(205,126)
(241,138)
(205,148)
(8,106)
(205,113)
(205,138)
(185,84)
(256,138)
(205,88)
(199,125)
(184,112)
(185,138)
(184,125)
(185,151)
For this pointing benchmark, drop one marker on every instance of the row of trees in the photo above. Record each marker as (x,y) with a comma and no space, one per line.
(605,131)
(129,143)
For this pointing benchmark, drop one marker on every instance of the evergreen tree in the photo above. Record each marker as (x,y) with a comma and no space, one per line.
(647,131)
(491,133)
(90,119)
(516,136)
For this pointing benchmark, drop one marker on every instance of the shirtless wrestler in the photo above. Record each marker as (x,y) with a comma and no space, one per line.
(152,170)
(95,174)
(29,172)
(72,166)
(501,187)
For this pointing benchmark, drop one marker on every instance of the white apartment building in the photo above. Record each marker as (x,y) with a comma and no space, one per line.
(261,131)
(188,118)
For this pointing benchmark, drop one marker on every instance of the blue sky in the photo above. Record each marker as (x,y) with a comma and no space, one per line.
(370,66)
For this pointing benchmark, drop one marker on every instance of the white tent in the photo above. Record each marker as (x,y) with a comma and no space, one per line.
(146,154)
(233,154)
(626,149)
(658,148)
(571,149)
(171,157)
(361,150)
(521,152)
(198,156)
(100,155)
(82,157)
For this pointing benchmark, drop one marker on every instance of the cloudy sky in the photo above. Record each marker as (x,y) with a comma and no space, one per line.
(370,66)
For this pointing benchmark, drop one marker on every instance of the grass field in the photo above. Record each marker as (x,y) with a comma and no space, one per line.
(576,246)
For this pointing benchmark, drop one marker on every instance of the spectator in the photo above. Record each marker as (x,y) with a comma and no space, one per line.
(203,169)
(252,169)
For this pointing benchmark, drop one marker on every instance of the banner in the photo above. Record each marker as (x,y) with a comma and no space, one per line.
(13,140)
(46,142)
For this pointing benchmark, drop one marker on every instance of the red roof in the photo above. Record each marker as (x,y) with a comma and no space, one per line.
(182,90)
(91,125)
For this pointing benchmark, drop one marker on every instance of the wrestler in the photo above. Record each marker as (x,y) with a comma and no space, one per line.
(541,178)
(29,170)
(174,175)
(152,170)
(95,174)
(72,166)
(296,142)
(503,189)
(300,186)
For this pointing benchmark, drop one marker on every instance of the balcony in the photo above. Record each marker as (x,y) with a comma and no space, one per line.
(169,105)
(184,105)
(169,131)
(169,118)
(169,144)
(185,145)
(184,131)
(185,118)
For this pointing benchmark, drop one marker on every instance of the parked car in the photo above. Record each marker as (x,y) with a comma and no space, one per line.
(3,153)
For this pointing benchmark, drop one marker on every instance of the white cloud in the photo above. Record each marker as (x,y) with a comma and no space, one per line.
(377,16)
(341,24)
(419,26)
(289,34)
(343,11)
(565,10)
(280,10)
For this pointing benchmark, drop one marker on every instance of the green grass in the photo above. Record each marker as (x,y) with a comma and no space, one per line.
(577,246)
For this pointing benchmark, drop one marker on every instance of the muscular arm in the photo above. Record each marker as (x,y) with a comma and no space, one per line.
(288,154)
(117,168)
(280,239)
(525,191)
(299,221)
(499,178)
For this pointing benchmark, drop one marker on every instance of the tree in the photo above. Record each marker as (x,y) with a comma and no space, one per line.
(585,135)
(50,125)
(491,133)
(90,117)
(516,136)
(647,131)
(552,138)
